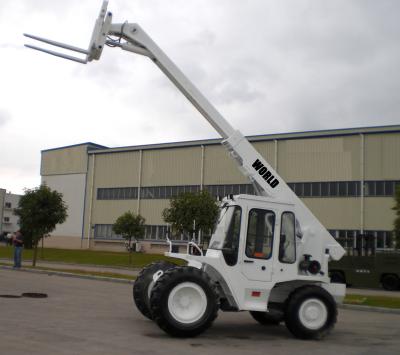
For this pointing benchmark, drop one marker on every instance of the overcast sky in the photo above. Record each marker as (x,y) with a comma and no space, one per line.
(268,66)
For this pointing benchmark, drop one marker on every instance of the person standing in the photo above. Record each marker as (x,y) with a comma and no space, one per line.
(18,242)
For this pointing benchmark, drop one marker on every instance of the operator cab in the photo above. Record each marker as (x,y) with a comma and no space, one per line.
(269,230)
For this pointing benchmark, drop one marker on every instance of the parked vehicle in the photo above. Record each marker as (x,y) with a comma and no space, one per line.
(363,266)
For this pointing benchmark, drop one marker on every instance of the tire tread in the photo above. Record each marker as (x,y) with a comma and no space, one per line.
(142,282)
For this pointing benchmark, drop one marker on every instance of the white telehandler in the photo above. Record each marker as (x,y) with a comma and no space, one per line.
(268,254)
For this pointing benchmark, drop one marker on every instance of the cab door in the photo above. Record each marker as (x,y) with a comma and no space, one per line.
(257,254)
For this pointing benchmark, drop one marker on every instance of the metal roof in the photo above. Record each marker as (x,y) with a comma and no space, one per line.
(256,138)
(91,146)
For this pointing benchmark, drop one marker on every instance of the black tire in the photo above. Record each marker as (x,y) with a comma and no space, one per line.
(167,287)
(142,283)
(337,277)
(315,298)
(272,317)
(390,282)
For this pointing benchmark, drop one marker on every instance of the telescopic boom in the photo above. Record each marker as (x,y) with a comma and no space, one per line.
(266,181)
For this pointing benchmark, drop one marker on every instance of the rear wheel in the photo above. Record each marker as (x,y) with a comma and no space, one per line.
(184,302)
(144,284)
(310,313)
(390,282)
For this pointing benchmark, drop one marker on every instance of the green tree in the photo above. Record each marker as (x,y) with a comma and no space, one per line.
(396,208)
(129,225)
(189,207)
(39,210)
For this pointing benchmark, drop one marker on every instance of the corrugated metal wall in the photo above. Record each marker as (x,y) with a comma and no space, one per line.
(320,159)
(336,213)
(179,166)
(334,158)
(219,168)
(107,211)
(117,169)
(70,160)
(382,152)
(152,210)
(379,213)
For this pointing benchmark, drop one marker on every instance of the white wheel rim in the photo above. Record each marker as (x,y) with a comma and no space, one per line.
(313,313)
(149,289)
(187,302)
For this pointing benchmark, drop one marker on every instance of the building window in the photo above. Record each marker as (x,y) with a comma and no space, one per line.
(301,189)
(151,232)
(352,188)
(316,189)
(7,205)
(389,188)
(307,189)
(333,189)
(117,193)
(324,189)
(298,189)
(370,188)
(353,239)
(380,188)
(342,188)
(260,232)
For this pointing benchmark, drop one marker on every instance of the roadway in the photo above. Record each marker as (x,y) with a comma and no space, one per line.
(96,317)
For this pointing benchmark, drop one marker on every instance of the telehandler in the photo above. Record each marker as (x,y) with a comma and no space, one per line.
(268,254)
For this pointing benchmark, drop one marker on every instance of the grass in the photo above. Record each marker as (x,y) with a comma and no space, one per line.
(88,257)
(373,301)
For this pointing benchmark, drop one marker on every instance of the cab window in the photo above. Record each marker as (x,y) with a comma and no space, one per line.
(260,233)
(230,248)
(287,244)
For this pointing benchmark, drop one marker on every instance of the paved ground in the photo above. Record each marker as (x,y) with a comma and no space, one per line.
(133,272)
(69,266)
(96,317)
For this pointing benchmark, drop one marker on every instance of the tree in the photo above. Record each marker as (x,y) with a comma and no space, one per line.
(396,208)
(129,225)
(189,207)
(40,210)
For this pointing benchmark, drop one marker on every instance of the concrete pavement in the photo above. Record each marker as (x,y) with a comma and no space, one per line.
(92,317)
(68,266)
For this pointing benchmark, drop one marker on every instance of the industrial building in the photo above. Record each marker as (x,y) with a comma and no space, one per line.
(347,177)
(8,221)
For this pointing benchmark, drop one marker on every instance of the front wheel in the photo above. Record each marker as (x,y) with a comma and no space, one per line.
(310,313)
(184,302)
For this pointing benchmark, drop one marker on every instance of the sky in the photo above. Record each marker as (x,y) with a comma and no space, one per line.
(268,66)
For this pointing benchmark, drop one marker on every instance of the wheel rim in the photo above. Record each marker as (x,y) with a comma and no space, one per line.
(187,302)
(149,289)
(313,313)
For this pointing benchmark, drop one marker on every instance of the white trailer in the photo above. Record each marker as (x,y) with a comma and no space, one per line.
(268,254)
